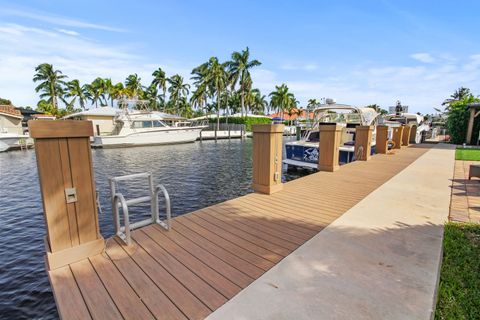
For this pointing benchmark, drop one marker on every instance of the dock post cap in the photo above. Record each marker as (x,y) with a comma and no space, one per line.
(364,127)
(60,128)
(268,128)
(330,127)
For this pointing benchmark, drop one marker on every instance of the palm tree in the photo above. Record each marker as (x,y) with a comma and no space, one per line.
(151,94)
(160,81)
(51,83)
(177,90)
(239,68)
(217,78)
(96,91)
(259,102)
(198,98)
(199,77)
(459,94)
(133,86)
(109,90)
(76,91)
(281,99)
(185,109)
(117,92)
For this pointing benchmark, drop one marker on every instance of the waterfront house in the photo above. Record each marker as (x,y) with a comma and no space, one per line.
(103,118)
(10,120)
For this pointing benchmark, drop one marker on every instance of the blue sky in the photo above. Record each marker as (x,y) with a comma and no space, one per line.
(359,52)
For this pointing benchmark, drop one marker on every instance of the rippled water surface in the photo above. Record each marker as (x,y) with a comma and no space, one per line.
(196,175)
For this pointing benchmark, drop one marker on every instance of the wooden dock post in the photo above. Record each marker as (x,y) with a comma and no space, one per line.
(329,147)
(413,134)
(363,142)
(381,145)
(64,162)
(397,137)
(406,135)
(267,157)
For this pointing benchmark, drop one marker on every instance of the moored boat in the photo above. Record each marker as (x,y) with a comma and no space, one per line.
(305,152)
(145,127)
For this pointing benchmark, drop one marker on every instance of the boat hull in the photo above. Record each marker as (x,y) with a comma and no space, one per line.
(306,155)
(10,141)
(171,136)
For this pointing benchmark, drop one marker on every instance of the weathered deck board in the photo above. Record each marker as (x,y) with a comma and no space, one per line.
(212,253)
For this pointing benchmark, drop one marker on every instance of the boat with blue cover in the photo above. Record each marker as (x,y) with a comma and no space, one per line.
(305,152)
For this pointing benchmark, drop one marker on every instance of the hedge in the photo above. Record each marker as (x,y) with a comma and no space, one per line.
(457,121)
(247,121)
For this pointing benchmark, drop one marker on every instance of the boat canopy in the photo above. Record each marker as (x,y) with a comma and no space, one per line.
(367,115)
(409,116)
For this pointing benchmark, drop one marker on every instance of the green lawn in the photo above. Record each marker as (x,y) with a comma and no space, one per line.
(467,154)
(459,290)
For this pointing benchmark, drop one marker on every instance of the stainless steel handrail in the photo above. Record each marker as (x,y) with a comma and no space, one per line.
(159,188)
(118,200)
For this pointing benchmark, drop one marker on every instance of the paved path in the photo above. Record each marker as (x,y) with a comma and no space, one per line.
(465,206)
(379,260)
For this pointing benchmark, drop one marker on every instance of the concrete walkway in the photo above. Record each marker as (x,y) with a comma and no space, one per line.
(380,260)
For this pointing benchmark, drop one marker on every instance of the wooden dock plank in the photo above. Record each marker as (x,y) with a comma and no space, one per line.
(155,299)
(67,295)
(265,223)
(223,285)
(235,261)
(268,234)
(126,300)
(255,239)
(233,238)
(199,287)
(227,245)
(188,303)
(212,253)
(96,297)
(229,272)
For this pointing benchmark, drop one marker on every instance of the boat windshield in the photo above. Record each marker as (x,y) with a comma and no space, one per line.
(339,117)
(147,124)
(313,136)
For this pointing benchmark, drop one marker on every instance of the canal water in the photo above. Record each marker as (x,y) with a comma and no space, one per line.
(196,175)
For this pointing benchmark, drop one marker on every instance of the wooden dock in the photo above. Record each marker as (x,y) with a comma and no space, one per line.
(213,253)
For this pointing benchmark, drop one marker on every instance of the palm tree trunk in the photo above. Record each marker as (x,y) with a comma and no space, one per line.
(218,113)
(242,100)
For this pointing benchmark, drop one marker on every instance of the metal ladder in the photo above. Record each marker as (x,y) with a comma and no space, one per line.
(118,201)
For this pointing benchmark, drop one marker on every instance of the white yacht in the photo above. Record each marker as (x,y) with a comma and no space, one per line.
(304,153)
(402,117)
(144,127)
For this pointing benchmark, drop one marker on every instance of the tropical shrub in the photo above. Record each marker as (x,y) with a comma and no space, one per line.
(457,121)
(247,121)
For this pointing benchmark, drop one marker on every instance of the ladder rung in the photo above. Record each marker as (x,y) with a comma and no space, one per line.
(131,176)
(134,201)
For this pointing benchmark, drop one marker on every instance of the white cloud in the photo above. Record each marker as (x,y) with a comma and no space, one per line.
(423,57)
(55,19)
(23,48)
(299,66)
(69,32)
(421,87)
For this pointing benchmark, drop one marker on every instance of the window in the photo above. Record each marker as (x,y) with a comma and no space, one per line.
(141,124)
(158,124)
(314,136)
